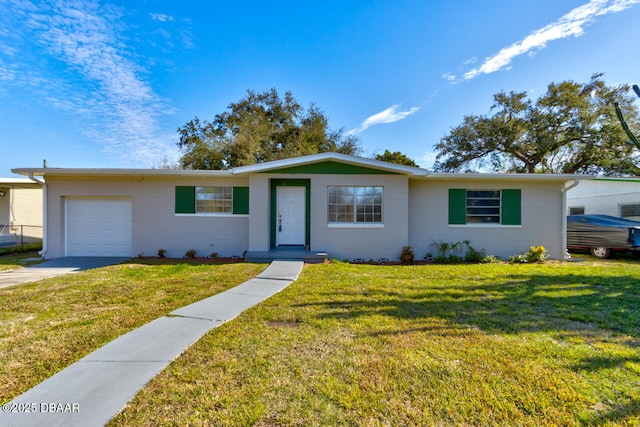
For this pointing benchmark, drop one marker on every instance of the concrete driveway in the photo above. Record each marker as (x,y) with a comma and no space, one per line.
(53,268)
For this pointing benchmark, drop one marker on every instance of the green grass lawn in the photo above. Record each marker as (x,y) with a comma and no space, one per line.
(18,260)
(526,345)
(47,325)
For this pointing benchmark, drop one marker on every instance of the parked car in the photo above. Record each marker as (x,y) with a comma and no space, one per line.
(602,235)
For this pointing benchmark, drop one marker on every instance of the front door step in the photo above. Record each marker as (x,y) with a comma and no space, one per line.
(286,254)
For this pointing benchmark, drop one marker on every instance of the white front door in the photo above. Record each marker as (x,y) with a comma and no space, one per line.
(291,214)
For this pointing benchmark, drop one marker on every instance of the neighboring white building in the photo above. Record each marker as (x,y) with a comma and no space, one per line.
(607,196)
(20,210)
(348,207)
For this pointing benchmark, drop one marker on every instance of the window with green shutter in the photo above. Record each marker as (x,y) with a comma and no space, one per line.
(212,200)
(485,206)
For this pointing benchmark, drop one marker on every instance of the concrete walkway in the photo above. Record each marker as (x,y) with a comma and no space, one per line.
(53,268)
(93,390)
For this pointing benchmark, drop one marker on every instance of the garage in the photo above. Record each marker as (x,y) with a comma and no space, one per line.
(98,227)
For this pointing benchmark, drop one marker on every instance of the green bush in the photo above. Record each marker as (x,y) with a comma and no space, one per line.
(455,252)
(490,259)
(534,254)
(191,253)
(443,250)
(407,256)
(162,253)
(475,255)
(450,259)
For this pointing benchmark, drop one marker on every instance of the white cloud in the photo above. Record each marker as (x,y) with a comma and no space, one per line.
(427,160)
(451,78)
(571,24)
(99,81)
(389,115)
(470,61)
(161,17)
(6,72)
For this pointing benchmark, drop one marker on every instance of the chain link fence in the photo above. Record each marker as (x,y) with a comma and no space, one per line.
(19,234)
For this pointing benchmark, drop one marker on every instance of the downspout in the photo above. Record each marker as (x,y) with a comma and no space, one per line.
(44,213)
(564,216)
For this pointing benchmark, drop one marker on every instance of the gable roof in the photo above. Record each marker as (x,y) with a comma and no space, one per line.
(358,164)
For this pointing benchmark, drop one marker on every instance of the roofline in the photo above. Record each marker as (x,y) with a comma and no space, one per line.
(618,179)
(19,183)
(339,157)
(119,172)
(412,172)
(512,176)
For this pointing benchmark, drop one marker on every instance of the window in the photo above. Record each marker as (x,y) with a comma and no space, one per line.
(630,211)
(576,210)
(355,204)
(483,206)
(501,207)
(214,200)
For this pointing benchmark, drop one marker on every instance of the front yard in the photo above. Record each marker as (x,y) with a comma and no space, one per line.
(46,326)
(497,344)
(554,344)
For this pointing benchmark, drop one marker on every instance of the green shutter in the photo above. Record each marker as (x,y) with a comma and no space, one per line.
(511,207)
(457,206)
(185,200)
(240,200)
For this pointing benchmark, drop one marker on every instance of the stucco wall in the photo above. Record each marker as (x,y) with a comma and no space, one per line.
(356,241)
(361,241)
(542,219)
(259,211)
(415,213)
(155,224)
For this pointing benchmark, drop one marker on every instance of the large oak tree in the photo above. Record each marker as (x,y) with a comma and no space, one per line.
(259,128)
(572,128)
(395,157)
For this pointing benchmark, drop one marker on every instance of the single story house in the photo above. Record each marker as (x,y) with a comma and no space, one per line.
(20,211)
(347,207)
(607,196)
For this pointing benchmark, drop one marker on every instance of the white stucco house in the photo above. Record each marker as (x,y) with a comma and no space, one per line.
(607,196)
(344,206)
(20,211)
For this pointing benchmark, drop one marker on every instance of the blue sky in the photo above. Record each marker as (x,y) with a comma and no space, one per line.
(87,83)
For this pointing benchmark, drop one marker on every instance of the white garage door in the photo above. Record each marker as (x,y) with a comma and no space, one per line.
(98,227)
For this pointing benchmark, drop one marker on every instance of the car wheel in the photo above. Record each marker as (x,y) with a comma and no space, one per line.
(600,252)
